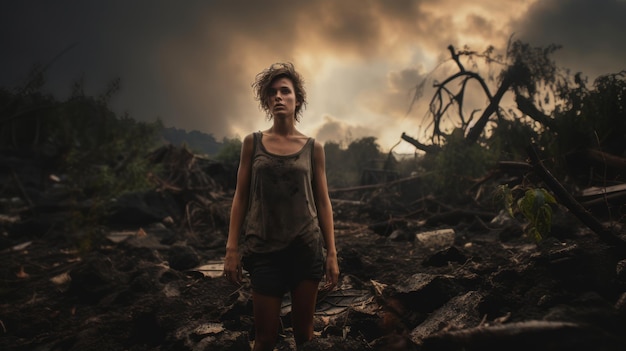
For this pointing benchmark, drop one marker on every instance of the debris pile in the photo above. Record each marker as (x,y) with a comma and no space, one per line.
(419,275)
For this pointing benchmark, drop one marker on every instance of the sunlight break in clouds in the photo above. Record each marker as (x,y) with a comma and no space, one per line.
(364,76)
(191,64)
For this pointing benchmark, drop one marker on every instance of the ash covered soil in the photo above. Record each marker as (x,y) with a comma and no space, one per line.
(463,287)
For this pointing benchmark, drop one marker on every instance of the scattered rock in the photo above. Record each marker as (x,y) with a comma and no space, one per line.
(182,257)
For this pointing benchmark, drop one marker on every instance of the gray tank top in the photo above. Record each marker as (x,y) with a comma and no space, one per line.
(281,207)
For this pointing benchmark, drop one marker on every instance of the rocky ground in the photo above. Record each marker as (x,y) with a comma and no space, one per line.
(150,277)
(153,288)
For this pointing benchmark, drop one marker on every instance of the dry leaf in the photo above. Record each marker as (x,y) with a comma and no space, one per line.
(503,319)
(61,279)
(378,287)
(168,220)
(22,246)
(141,233)
(21,274)
(54,314)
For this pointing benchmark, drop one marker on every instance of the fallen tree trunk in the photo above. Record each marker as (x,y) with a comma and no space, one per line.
(529,335)
(617,198)
(455,216)
(566,199)
(426,148)
(526,106)
(605,159)
(374,186)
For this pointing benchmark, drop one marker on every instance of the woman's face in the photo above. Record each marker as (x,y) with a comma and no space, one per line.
(282,98)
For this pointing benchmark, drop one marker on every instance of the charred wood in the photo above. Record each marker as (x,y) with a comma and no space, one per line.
(616,198)
(18,184)
(605,159)
(426,148)
(564,197)
(494,103)
(526,106)
(455,216)
(374,186)
(543,335)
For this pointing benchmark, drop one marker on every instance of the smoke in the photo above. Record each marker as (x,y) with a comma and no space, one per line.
(192,63)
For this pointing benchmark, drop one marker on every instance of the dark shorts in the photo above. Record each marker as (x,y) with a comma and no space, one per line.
(276,273)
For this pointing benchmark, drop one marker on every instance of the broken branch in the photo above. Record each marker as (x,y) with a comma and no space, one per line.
(565,198)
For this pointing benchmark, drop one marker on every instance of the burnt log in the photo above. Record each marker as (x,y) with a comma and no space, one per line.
(565,198)
(604,159)
(529,335)
(527,107)
(426,148)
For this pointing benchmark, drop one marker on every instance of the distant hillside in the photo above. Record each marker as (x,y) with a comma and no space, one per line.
(195,140)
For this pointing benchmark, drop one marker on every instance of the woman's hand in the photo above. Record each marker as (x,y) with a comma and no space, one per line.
(332,271)
(232,267)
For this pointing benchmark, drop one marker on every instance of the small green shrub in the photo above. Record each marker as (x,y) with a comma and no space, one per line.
(98,154)
(535,205)
(457,166)
(230,151)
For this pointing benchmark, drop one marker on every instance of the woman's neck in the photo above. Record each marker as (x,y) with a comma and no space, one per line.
(283,126)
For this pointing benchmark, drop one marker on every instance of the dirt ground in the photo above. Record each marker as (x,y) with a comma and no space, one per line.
(466,288)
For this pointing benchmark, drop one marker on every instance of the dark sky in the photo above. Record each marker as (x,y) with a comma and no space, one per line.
(191,63)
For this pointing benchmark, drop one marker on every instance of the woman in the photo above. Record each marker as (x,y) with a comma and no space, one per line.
(282,207)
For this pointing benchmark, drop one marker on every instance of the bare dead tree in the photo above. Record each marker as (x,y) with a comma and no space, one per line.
(523,70)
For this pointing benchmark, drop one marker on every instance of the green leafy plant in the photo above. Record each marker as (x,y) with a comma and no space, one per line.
(230,151)
(535,205)
(457,166)
(97,154)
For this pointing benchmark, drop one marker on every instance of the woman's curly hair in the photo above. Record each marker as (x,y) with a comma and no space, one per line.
(265,79)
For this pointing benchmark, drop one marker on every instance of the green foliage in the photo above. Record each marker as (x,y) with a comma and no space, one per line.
(98,154)
(364,153)
(340,170)
(84,227)
(535,205)
(410,165)
(593,117)
(230,151)
(344,166)
(510,137)
(586,118)
(457,165)
(530,68)
(568,121)
(104,155)
(195,140)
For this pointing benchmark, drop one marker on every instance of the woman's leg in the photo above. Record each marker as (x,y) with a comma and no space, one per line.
(303,299)
(266,311)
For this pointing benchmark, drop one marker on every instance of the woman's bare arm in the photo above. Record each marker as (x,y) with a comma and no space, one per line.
(325,214)
(232,264)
